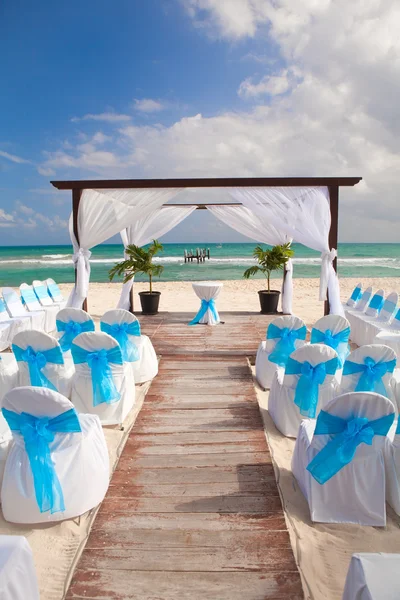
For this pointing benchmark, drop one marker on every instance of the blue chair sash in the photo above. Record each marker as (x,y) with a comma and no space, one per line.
(389,306)
(285,344)
(307,389)
(2,306)
(71,330)
(38,433)
(121,333)
(103,386)
(205,305)
(333,341)
(371,373)
(397,315)
(41,291)
(356,294)
(36,361)
(340,450)
(54,290)
(376,303)
(28,295)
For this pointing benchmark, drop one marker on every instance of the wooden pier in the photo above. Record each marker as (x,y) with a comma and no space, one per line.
(193,510)
(200,255)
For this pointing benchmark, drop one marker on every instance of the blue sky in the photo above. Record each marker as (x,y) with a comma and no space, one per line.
(160,88)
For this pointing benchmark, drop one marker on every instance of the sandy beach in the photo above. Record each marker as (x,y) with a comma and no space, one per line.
(235,295)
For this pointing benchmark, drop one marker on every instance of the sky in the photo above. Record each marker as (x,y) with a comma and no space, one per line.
(181,88)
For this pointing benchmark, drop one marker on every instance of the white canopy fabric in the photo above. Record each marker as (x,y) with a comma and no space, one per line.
(102,214)
(243,220)
(303,213)
(149,228)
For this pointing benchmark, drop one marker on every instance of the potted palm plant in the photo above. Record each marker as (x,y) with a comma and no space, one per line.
(140,260)
(271,259)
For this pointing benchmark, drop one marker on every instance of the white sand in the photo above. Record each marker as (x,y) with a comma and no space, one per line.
(235,295)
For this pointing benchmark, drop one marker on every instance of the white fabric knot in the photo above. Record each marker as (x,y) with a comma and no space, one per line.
(329,255)
(82,253)
(289,266)
(327,271)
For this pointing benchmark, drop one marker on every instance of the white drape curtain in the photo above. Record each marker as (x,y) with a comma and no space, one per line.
(148,228)
(304,215)
(243,220)
(102,214)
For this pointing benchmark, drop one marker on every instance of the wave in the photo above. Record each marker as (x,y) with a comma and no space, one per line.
(56,255)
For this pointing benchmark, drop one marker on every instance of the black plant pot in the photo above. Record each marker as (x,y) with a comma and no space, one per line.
(269,301)
(149,302)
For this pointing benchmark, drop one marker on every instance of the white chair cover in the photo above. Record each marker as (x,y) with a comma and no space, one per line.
(58,374)
(42,294)
(355,296)
(77,315)
(380,354)
(82,386)
(357,319)
(281,404)
(5,335)
(18,579)
(334,325)
(375,305)
(356,493)
(146,368)
(389,307)
(33,305)
(370,327)
(8,373)
(16,309)
(372,577)
(395,323)
(265,369)
(80,461)
(207,291)
(55,293)
(15,324)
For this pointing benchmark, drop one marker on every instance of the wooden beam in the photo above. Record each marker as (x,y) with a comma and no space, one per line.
(208,182)
(76,198)
(333,232)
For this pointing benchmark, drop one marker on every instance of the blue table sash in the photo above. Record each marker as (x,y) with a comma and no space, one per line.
(38,433)
(205,305)
(340,450)
(103,386)
(285,344)
(376,303)
(371,373)
(71,329)
(36,361)
(121,333)
(307,389)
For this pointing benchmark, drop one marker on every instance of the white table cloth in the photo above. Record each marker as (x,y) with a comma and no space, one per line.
(17,572)
(5,336)
(391,339)
(207,291)
(373,577)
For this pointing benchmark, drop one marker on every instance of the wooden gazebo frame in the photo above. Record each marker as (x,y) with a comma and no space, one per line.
(333,184)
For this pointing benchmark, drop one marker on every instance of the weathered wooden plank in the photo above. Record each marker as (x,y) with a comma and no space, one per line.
(159,400)
(122,487)
(189,521)
(153,585)
(197,437)
(216,504)
(194,474)
(198,460)
(190,558)
(144,449)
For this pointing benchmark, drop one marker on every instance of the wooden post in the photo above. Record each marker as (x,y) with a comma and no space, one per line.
(76,198)
(333,232)
(131,301)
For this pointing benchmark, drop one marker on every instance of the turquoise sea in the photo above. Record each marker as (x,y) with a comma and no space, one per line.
(228,261)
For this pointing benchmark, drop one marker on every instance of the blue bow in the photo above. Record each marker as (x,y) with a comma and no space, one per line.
(120,332)
(205,305)
(349,434)
(286,342)
(307,389)
(72,329)
(37,361)
(371,374)
(38,433)
(376,302)
(356,295)
(333,341)
(103,385)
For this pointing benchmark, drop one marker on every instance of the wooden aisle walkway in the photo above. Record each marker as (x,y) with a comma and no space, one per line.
(193,510)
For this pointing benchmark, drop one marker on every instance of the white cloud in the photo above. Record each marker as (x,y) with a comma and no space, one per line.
(107,117)
(13,158)
(26,210)
(46,171)
(147,105)
(6,220)
(331,110)
(27,217)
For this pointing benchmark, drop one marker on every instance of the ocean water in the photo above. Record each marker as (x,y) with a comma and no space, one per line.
(228,261)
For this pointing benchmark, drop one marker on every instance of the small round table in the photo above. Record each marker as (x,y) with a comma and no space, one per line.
(207,291)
